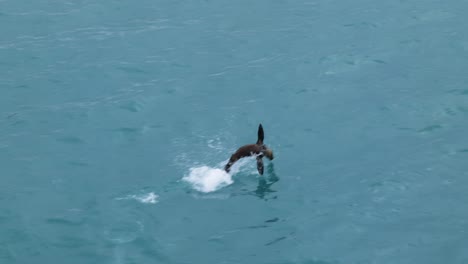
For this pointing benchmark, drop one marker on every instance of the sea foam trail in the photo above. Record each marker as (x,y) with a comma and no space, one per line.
(149,198)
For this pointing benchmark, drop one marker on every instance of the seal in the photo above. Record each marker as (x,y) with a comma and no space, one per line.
(258,149)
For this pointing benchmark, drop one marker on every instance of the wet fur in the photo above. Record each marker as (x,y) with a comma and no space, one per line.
(258,149)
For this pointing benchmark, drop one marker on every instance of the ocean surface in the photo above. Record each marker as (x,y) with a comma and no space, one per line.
(117,117)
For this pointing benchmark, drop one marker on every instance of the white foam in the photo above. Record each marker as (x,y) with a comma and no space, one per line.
(149,198)
(207,179)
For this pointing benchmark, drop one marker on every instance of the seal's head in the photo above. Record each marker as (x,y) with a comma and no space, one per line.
(268,153)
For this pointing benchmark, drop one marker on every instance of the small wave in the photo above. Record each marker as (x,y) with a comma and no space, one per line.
(149,198)
(123,231)
(207,179)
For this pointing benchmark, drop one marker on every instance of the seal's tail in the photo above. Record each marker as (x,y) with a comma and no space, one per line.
(261,136)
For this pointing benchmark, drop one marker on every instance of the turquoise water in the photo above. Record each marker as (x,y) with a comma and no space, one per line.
(117,116)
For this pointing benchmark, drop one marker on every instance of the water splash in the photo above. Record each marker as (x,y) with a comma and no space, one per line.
(207,179)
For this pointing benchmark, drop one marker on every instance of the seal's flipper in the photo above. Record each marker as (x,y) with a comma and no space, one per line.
(227,168)
(260,165)
(260,135)
(233,159)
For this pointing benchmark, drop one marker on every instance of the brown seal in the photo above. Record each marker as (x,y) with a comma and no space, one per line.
(258,149)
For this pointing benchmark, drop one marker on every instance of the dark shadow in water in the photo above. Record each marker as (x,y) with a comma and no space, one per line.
(266,181)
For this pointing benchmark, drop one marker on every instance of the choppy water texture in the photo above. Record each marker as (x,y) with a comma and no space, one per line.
(116,118)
